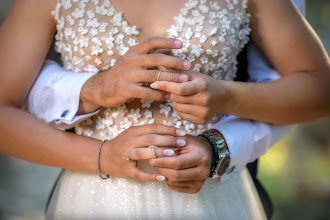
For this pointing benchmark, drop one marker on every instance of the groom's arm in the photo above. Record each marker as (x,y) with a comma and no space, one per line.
(54,97)
(248,139)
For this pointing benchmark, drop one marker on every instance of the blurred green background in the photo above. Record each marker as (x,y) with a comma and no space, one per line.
(295,172)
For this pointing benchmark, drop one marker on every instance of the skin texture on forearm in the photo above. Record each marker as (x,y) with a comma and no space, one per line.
(22,135)
(294,49)
(25,137)
(286,38)
(293,99)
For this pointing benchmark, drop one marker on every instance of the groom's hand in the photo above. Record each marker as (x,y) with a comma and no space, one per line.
(188,171)
(126,79)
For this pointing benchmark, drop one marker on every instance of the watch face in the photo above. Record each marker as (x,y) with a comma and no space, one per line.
(224,161)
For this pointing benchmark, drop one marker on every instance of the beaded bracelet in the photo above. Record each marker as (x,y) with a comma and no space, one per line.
(107,176)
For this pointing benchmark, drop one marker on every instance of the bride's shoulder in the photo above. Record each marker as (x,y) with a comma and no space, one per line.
(39,8)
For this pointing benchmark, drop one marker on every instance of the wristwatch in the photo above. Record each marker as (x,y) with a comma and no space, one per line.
(221,154)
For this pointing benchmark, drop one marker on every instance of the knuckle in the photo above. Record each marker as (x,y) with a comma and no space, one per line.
(150,42)
(203,84)
(153,40)
(202,120)
(158,96)
(151,75)
(173,97)
(140,94)
(174,183)
(178,63)
(172,140)
(205,160)
(202,173)
(195,190)
(171,182)
(180,90)
(137,176)
(206,173)
(126,142)
(204,100)
(176,176)
(153,128)
(127,60)
(136,153)
(175,105)
(176,77)
(156,164)
(149,139)
(178,164)
(151,95)
(156,58)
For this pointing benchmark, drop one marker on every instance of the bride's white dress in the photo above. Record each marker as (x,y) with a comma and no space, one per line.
(91,36)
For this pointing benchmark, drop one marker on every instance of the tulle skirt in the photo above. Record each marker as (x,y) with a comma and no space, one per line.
(86,196)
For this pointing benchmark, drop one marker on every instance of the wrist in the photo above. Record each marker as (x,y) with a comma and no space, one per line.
(88,101)
(103,157)
(221,154)
(226,93)
(208,147)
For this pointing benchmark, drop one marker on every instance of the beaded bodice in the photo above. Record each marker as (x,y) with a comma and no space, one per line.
(92,35)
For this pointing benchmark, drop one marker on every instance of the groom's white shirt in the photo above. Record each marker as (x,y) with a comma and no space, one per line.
(55,95)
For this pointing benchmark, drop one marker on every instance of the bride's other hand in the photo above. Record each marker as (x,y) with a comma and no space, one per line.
(188,171)
(125,79)
(198,99)
(133,144)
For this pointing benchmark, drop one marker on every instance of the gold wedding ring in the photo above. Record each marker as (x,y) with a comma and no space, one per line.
(153,152)
(158,76)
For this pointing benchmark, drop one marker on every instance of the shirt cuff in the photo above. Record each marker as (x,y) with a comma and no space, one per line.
(239,136)
(54,97)
(247,140)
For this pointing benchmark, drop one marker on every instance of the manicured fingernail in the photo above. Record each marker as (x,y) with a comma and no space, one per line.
(184,78)
(160,178)
(181,142)
(180,132)
(154,86)
(186,65)
(168,152)
(167,96)
(178,43)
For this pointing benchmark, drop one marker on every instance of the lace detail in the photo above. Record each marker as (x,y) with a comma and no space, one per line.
(92,35)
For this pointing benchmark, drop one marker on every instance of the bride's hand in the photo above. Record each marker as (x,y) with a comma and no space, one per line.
(198,99)
(188,171)
(133,143)
(125,79)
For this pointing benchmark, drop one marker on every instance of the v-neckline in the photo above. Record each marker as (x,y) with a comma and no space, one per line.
(140,28)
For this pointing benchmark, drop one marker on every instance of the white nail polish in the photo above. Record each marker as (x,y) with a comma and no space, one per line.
(180,132)
(154,86)
(181,142)
(160,178)
(168,152)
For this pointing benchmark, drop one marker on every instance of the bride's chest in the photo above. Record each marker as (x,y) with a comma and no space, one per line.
(93,34)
